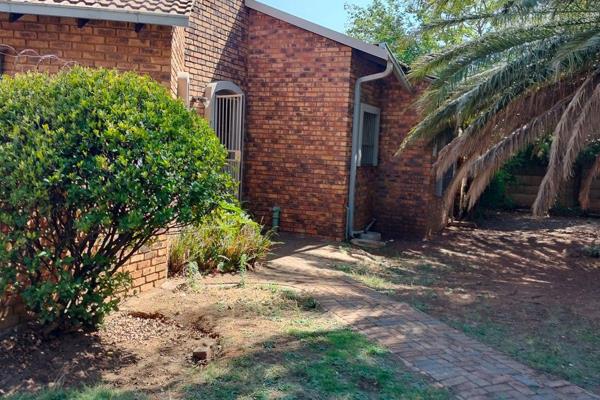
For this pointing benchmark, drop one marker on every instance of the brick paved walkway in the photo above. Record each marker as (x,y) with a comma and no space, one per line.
(468,368)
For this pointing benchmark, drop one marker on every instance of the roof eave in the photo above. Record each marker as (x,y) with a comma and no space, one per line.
(398,68)
(94,13)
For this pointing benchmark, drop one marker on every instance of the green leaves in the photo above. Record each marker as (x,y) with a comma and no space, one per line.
(94,163)
(533,58)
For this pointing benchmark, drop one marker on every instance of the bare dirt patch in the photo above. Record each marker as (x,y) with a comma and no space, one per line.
(149,344)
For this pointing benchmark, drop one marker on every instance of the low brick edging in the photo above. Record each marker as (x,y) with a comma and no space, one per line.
(148,268)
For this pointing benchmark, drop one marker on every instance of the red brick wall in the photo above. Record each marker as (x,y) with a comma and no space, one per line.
(214,46)
(406,205)
(98,44)
(366,176)
(400,192)
(298,124)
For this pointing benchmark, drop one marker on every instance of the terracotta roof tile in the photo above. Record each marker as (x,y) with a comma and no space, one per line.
(170,7)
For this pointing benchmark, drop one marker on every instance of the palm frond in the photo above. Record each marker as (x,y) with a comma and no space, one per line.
(450,193)
(486,166)
(577,49)
(503,90)
(553,178)
(585,128)
(514,115)
(586,184)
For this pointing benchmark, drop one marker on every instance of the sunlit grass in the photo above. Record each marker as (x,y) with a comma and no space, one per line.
(335,364)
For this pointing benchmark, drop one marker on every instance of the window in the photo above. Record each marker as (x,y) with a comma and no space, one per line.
(442,184)
(225,111)
(369,136)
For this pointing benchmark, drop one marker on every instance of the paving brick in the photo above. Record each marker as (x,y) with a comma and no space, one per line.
(471,370)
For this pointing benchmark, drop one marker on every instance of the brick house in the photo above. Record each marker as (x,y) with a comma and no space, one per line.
(281,92)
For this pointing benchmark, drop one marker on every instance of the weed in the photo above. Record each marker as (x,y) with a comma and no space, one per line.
(592,251)
(91,393)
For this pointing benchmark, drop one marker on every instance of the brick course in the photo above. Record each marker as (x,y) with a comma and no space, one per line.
(297,144)
(105,44)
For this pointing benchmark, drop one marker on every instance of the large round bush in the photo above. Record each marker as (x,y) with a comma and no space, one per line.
(93,165)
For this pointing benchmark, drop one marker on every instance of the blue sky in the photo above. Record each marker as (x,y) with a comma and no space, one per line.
(329,13)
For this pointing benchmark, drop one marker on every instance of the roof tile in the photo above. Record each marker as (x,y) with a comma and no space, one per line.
(171,7)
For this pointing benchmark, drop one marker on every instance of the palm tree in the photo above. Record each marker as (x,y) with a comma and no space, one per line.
(536,72)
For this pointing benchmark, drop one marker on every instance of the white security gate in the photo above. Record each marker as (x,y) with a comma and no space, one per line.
(228,123)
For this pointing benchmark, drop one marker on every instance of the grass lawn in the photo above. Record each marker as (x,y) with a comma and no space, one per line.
(529,290)
(313,364)
(277,344)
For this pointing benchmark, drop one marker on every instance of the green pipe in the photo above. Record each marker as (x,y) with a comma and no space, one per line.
(276,218)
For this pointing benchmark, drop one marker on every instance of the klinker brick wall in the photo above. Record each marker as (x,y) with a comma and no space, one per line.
(213,47)
(298,123)
(366,176)
(406,205)
(98,44)
(400,192)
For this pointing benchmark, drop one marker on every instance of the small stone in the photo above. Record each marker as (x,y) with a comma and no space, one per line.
(205,352)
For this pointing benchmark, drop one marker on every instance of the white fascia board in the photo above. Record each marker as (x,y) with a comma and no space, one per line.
(318,29)
(95,13)
(398,68)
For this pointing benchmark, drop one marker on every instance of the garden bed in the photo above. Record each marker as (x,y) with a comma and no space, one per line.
(270,343)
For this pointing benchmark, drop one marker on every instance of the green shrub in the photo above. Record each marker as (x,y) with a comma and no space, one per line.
(227,240)
(496,195)
(94,164)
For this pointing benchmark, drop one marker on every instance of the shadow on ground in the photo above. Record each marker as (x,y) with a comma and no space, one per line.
(332,364)
(71,360)
(523,285)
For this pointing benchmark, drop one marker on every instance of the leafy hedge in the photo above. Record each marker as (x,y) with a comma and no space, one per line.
(94,163)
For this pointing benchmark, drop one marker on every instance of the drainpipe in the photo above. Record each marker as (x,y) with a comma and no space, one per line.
(355,137)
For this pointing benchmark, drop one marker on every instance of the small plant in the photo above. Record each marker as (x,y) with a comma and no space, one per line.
(592,251)
(302,300)
(94,164)
(227,240)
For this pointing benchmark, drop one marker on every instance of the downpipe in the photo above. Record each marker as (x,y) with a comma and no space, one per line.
(355,136)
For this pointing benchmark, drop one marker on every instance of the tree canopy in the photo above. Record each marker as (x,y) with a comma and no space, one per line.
(400,23)
(534,72)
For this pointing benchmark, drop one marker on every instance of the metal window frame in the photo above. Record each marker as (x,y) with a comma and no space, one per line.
(227,94)
(364,109)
